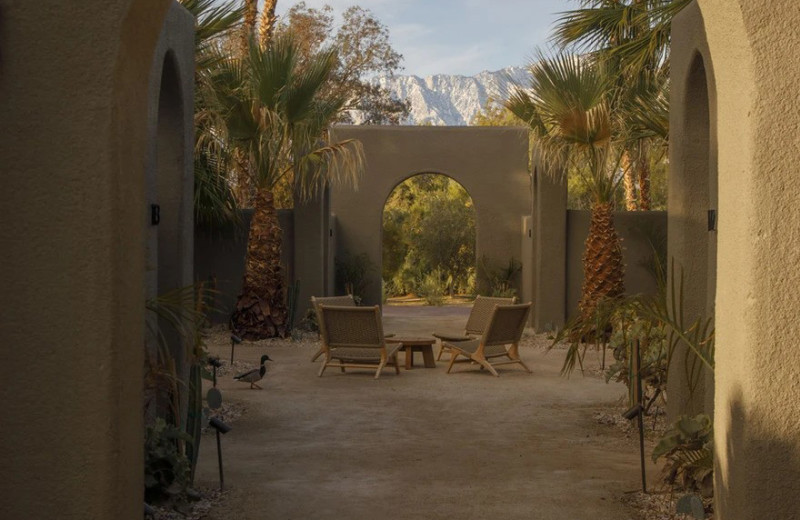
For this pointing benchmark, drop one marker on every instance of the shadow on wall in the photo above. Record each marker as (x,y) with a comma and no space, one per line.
(763,468)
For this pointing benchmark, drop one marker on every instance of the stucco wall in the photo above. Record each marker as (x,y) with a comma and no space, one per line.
(755,117)
(636,229)
(490,163)
(74,86)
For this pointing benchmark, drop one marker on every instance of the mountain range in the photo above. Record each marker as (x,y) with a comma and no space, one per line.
(450,100)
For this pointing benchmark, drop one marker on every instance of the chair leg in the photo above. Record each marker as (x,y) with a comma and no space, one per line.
(380,367)
(317,355)
(441,350)
(484,363)
(453,356)
(396,364)
(322,369)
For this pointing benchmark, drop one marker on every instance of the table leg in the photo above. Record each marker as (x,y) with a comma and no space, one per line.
(427,356)
(409,356)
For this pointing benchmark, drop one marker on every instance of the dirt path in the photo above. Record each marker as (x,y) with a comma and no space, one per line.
(421,445)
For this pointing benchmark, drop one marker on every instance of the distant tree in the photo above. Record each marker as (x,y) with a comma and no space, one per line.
(429,225)
(494,113)
(364,51)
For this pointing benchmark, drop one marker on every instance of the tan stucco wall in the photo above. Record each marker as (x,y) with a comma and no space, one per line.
(756,77)
(491,164)
(73,85)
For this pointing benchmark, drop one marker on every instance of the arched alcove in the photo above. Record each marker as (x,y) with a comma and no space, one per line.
(693,221)
(429,225)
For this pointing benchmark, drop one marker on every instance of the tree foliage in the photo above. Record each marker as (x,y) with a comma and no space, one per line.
(429,226)
(363,51)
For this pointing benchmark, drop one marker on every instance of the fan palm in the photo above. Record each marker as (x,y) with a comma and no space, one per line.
(214,202)
(275,120)
(637,32)
(568,106)
(632,36)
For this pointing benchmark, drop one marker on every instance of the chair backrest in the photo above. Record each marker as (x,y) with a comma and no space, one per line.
(339,301)
(351,326)
(506,324)
(482,311)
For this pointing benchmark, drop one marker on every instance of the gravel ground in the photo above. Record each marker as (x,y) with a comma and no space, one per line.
(607,420)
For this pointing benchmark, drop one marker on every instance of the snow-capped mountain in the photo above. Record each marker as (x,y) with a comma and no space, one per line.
(451,100)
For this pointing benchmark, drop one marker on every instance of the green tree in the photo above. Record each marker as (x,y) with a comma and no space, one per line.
(364,52)
(429,225)
(568,106)
(275,117)
(214,202)
(493,113)
(633,37)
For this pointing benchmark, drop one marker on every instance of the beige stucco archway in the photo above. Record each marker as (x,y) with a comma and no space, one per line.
(753,77)
(490,163)
(77,128)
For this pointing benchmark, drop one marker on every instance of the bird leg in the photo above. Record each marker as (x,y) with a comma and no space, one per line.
(253,385)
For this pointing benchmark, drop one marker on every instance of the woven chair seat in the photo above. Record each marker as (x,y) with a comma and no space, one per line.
(470,347)
(453,336)
(363,354)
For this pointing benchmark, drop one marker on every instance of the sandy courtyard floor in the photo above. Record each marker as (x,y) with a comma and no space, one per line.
(422,444)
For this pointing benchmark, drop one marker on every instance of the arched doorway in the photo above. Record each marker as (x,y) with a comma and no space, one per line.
(490,163)
(428,241)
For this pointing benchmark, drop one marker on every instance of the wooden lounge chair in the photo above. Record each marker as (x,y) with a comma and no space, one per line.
(352,337)
(504,329)
(476,323)
(340,301)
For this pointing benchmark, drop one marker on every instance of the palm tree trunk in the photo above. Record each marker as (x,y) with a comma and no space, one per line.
(248,25)
(644,181)
(267,23)
(629,182)
(261,310)
(603,267)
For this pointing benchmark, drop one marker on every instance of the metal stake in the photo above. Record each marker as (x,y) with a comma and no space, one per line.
(641,412)
(219,459)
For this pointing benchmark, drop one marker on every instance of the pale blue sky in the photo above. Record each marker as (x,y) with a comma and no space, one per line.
(459,36)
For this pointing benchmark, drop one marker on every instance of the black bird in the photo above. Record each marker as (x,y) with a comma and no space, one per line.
(251,376)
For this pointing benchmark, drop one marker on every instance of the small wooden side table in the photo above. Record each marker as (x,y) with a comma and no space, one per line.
(411,345)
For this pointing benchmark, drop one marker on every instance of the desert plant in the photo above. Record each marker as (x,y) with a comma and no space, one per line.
(433,288)
(166,467)
(687,447)
(653,354)
(500,279)
(351,274)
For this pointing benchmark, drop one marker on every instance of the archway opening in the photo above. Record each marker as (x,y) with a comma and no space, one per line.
(428,243)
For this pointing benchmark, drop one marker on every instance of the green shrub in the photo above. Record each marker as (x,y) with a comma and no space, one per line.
(167,469)
(432,288)
(687,447)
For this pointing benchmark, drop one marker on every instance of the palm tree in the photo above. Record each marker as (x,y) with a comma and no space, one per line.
(568,106)
(632,36)
(214,202)
(275,120)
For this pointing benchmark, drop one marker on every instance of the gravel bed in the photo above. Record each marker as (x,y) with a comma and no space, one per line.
(183,508)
